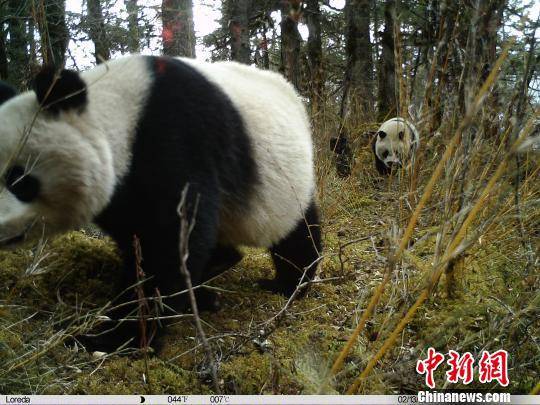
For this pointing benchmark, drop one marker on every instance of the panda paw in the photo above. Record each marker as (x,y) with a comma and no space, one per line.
(207,300)
(280,287)
(113,337)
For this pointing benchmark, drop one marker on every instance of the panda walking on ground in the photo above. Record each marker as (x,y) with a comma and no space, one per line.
(395,142)
(119,143)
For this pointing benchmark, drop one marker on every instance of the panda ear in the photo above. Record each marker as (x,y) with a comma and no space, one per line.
(6,92)
(60,90)
(381,134)
(401,134)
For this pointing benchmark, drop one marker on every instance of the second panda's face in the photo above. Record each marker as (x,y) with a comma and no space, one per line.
(393,143)
(54,170)
(389,150)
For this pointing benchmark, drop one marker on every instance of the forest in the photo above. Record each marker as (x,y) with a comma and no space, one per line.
(441,254)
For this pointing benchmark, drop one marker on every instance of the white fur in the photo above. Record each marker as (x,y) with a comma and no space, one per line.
(280,134)
(398,149)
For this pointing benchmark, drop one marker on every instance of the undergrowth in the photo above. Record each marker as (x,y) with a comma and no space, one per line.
(495,303)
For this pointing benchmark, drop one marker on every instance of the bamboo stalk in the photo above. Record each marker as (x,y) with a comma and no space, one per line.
(536,390)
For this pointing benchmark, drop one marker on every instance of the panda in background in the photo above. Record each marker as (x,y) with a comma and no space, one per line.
(119,143)
(395,142)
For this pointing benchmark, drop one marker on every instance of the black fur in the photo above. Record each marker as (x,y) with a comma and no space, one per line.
(60,90)
(221,260)
(298,251)
(190,134)
(379,164)
(6,92)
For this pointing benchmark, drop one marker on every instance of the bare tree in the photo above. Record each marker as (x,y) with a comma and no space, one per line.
(51,19)
(491,13)
(291,41)
(387,67)
(3,56)
(133,26)
(18,42)
(239,30)
(178,28)
(358,89)
(315,54)
(97,32)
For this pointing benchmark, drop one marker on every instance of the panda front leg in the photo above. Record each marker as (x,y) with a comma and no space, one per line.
(136,296)
(162,259)
(117,326)
(159,239)
(296,256)
(221,260)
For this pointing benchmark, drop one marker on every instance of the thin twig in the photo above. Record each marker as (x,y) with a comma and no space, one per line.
(186,227)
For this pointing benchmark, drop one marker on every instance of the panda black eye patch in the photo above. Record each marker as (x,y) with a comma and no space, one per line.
(23,186)
(385,154)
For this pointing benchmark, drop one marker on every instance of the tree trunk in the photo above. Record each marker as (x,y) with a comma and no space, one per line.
(440,72)
(32,46)
(491,13)
(3,56)
(239,30)
(133,26)
(17,44)
(314,51)
(290,42)
(387,68)
(358,88)
(178,28)
(56,32)
(97,31)
(265,54)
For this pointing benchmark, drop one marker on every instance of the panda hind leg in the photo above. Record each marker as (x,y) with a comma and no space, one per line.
(296,256)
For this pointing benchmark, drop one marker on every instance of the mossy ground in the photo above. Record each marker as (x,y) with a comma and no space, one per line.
(496,307)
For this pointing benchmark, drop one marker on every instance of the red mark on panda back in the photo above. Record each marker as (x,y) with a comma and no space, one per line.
(161,65)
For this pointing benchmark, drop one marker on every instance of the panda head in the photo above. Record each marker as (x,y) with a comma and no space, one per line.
(53,163)
(393,144)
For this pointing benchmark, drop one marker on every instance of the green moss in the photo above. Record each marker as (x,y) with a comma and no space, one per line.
(493,304)
(127,376)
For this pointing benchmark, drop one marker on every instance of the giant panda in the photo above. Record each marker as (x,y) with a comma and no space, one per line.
(395,142)
(118,144)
